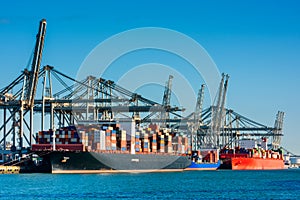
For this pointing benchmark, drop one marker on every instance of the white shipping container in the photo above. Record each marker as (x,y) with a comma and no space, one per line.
(102,140)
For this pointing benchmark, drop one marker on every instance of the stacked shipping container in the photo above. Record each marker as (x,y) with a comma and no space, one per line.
(111,138)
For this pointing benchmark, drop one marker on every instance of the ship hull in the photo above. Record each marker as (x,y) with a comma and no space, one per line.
(202,166)
(92,162)
(253,164)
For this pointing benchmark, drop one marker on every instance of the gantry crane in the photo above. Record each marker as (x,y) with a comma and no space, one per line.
(197,119)
(30,84)
(276,139)
(23,100)
(94,99)
(166,101)
(217,112)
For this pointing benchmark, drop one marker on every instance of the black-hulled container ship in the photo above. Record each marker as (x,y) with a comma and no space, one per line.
(93,162)
(109,149)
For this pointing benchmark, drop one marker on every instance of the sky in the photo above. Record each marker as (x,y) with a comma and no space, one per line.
(256,42)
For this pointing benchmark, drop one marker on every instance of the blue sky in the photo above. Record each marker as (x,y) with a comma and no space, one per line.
(256,42)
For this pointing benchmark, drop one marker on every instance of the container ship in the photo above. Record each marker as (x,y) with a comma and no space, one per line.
(255,158)
(109,148)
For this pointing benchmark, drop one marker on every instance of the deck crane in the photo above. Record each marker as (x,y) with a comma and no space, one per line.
(30,82)
(166,100)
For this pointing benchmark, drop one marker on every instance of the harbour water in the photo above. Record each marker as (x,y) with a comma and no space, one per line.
(283,184)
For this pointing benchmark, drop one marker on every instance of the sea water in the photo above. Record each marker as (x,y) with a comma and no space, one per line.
(283,184)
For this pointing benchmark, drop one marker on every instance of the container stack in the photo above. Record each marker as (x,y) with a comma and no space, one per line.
(185,145)
(83,139)
(132,143)
(161,143)
(97,137)
(90,136)
(137,141)
(177,144)
(123,140)
(210,156)
(43,137)
(66,138)
(107,139)
(113,140)
(145,143)
(110,137)
(66,135)
(216,156)
(102,140)
(169,147)
(86,143)
(154,143)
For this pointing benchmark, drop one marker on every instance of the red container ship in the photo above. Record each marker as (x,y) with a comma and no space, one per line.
(251,159)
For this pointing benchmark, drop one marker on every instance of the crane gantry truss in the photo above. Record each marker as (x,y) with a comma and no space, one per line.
(94,99)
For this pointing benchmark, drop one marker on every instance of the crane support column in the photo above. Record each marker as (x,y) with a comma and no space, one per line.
(31,126)
(4,129)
